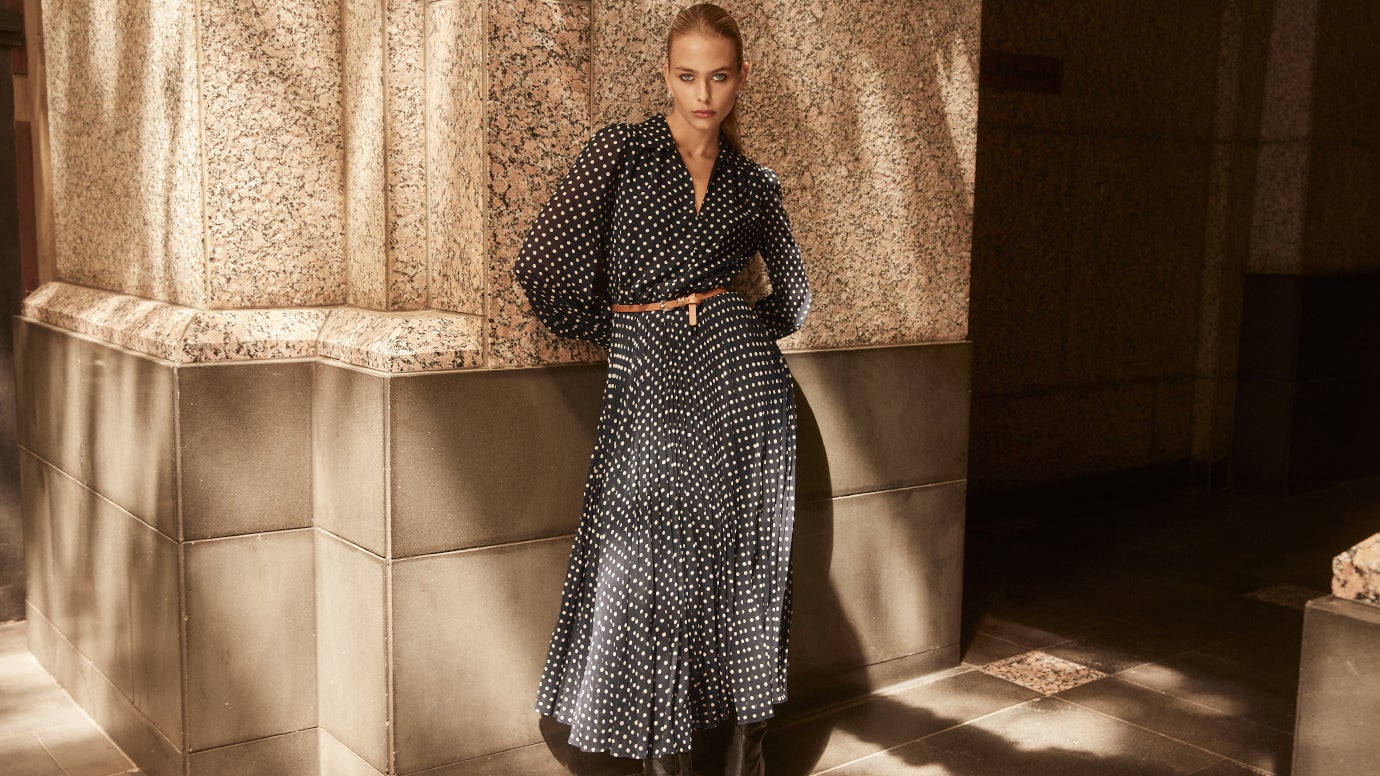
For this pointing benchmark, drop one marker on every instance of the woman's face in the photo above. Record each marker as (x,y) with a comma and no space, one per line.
(704,78)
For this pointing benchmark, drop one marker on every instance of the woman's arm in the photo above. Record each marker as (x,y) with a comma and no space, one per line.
(561,264)
(785,308)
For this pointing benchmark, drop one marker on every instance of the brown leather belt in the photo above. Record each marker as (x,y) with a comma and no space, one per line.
(693,300)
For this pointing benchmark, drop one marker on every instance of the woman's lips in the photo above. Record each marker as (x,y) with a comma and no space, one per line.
(704,114)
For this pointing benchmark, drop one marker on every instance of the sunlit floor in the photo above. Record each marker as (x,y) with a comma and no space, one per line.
(1155,639)
(42,731)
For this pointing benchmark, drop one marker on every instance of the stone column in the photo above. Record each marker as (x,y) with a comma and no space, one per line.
(301,470)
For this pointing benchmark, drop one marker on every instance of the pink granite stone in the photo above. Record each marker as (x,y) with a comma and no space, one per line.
(403,342)
(1042,672)
(174,333)
(538,119)
(366,251)
(405,149)
(877,160)
(271,110)
(126,148)
(1356,572)
(456,184)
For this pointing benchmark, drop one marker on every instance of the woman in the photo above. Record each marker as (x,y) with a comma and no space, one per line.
(675,612)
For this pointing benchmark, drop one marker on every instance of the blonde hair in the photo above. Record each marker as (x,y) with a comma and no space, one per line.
(710,19)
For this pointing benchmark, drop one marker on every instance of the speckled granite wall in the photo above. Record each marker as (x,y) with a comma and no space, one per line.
(271,116)
(456,155)
(877,161)
(391,156)
(876,158)
(124,115)
(366,251)
(539,116)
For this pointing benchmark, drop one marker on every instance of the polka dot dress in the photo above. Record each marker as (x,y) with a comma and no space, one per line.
(675,613)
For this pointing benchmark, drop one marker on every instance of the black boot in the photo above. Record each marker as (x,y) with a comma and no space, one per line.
(670,765)
(745,750)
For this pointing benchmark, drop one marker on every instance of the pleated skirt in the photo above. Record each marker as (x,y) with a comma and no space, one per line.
(676,606)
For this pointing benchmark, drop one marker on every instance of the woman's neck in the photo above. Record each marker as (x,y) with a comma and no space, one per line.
(691,141)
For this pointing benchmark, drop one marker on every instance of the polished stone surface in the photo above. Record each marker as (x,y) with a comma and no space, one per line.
(42,731)
(1356,572)
(1338,689)
(1158,596)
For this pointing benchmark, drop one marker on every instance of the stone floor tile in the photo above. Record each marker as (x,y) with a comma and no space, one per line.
(1225,735)
(983,649)
(1286,594)
(23,755)
(888,719)
(1015,632)
(1228,768)
(1254,677)
(1042,672)
(1045,737)
(83,750)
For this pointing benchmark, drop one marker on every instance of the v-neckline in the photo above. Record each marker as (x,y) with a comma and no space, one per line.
(713,168)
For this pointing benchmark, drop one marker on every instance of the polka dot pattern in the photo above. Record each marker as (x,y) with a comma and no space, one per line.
(676,608)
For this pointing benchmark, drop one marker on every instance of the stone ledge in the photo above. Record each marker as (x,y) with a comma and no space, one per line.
(412,341)
(1356,573)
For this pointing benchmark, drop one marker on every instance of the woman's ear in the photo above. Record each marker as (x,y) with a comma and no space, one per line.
(743,77)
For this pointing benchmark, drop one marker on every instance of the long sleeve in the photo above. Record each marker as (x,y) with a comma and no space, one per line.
(561,266)
(785,308)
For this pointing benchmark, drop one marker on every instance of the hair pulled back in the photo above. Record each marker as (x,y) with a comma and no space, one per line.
(710,19)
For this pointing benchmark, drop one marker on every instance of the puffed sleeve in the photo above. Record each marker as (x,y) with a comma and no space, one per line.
(561,264)
(785,308)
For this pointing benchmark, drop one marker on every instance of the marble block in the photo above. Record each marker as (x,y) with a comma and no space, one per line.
(1356,572)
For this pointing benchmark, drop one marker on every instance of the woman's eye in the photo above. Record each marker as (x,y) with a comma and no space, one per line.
(720,77)
(687,77)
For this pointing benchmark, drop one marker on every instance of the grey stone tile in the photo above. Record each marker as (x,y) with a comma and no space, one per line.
(887,720)
(349,443)
(153,753)
(1045,737)
(1225,735)
(23,755)
(1339,688)
(50,406)
(483,457)
(1020,633)
(246,437)
(985,648)
(336,759)
(82,749)
(1228,768)
(291,754)
(36,513)
(31,700)
(72,587)
(1250,676)
(878,576)
(351,639)
(89,577)
(132,408)
(251,637)
(470,633)
(109,544)
(155,628)
(848,445)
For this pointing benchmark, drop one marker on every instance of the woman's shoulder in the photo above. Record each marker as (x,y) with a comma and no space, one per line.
(759,176)
(621,137)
